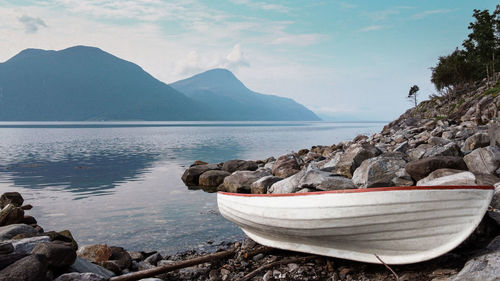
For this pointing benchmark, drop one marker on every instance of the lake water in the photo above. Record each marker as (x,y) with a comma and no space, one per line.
(119,183)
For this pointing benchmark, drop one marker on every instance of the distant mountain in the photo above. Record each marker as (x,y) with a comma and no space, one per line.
(86,83)
(222,92)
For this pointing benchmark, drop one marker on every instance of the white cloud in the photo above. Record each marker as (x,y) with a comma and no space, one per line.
(31,24)
(372,28)
(193,63)
(430,12)
(263,5)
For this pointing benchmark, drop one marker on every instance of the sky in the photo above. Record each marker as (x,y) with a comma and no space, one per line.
(341,59)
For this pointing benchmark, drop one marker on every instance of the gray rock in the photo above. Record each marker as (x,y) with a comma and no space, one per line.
(13,198)
(213,178)
(262,185)
(240,181)
(30,268)
(476,141)
(288,185)
(485,267)
(11,214)
(321,180)
(192,175)
(418,152)
(402,147)
(26,245)
(486,179)
(121,257)
(8,259)
(232,166)
(483,160)
(438,174)
(437,141)
(285,166)
(463,178)
(353,157)
(6,248)
(150,279)
(82,265)
(75,276)
(154,259)
(57,254)
(495,203)
(419,169)
(450,149)
(379,171)
(332,162)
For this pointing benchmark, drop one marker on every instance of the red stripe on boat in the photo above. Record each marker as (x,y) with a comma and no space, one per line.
(357,190)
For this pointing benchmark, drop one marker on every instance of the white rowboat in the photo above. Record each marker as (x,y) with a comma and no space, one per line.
(399,224)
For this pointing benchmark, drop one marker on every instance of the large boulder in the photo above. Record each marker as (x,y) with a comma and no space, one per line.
(484,267)
(240,181)
(8,259)
(9,231)
(121,257)
(232,166)
(476,141)
(83,266)
(419,169)
(213,178)
(11,214)
(380,171)
(13,198)
(483,160)
(353,157)
(288,185)
(192,175)
(438,174)
(57,254)
(285,166)
(30,268)
(450,149)
(322,180)
(95,253)
(262,185)
(463,178)
(26,245)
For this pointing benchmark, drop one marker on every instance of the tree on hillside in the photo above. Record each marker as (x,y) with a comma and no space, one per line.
(454,70)
(480,57)
(412,94)
(480,44)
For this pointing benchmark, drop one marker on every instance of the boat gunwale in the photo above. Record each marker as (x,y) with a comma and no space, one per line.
(360,190)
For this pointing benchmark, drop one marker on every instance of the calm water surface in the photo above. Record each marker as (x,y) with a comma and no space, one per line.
(119,183)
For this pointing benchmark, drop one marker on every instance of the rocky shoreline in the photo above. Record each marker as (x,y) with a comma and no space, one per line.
(448,140)
(451,140)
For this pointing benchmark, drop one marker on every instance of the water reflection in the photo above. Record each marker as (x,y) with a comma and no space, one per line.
(87,175)
(138,168)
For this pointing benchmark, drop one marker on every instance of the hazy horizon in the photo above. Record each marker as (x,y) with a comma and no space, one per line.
(339,59)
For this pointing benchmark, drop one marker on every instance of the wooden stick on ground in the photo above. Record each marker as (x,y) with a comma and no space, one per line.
(273,264)
(260,250)
(388,267)
(171,267)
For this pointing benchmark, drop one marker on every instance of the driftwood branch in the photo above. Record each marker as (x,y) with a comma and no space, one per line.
(388,267)
(260,250)
(171,267)
(273,264)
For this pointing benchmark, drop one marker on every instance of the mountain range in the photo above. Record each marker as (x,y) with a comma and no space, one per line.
(85,83)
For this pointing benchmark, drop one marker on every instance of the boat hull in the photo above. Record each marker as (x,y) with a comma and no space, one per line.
(399,225)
